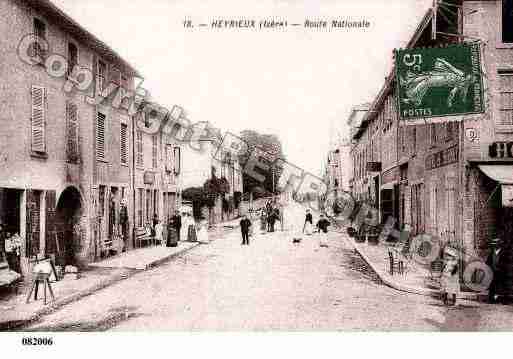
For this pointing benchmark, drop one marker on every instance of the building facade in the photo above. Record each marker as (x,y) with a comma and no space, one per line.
(447,177)
(65,164)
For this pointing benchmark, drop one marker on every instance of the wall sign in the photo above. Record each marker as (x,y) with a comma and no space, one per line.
(442,158)
(501,150)
(433,82)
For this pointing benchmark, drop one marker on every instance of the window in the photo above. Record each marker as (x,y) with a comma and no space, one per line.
(115,76)
(414,139)
(39,32)
(432,131)
(507,21)
(449,131)
(154,151)
(169,158)
(101,75)
(124,144)
(124,82)
(100,136)
(402,143)
(72,57)
(506,97)
(148,205)
(156,202)
(177,161)
(139,145)
(38,125)
(140,207)
(72,132)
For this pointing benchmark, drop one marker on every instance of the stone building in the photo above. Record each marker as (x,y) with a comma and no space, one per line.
(449,177)
(65,164)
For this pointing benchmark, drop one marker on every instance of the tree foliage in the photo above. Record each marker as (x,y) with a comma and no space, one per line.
(269,149)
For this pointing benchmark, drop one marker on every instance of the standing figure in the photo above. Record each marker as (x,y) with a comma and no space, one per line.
(173,234)
(124,223)
(269,211)
(245,225)
(492,261)
(263,221)
(203,231)
(282,218)
(322,227)
(308,226)
(191,231)
(159,233)
(185,226)
(450,283)
(12,251)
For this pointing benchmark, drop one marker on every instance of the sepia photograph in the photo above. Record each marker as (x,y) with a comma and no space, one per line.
(271,166)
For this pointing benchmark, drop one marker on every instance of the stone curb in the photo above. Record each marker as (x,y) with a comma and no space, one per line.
(18,325)
(402,287)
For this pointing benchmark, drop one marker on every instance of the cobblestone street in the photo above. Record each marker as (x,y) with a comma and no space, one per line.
(270,285)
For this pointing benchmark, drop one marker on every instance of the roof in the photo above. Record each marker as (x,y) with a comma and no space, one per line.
(389,81)
(64,21)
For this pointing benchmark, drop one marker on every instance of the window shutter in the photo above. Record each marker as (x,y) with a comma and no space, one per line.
(140,158)
(72,124)
(51,233)
(154,151)
(38,119)
(169,158)
(100,136)
(124,143)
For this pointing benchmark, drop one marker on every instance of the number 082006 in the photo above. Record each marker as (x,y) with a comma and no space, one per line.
(36,341)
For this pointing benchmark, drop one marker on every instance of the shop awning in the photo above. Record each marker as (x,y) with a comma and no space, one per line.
(500,173)
(503,174)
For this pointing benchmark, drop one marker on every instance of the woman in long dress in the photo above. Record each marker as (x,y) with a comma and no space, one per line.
(159,231)
(263,221)
(184,230)
(203,231)
(191,232)
(308,226)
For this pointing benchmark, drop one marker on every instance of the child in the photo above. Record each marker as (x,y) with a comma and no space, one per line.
(450,284)
(322,228)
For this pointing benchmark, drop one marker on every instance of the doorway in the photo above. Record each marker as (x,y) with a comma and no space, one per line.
(69,231)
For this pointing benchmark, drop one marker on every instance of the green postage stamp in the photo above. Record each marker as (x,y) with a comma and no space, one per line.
(433,82)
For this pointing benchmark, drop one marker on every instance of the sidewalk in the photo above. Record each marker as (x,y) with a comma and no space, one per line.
(414,280)
(15,312)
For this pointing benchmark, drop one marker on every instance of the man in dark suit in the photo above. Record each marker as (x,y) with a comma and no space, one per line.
(245,224)
(176,223)
(493,261)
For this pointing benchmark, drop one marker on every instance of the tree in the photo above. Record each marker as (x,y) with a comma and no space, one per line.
(197,196)
(269,150)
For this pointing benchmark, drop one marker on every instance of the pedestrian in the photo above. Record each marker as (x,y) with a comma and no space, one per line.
(245,225)
(269,211)
(184,229)
(322,229)
(282,218)
(191,229)
(263,221)
(173,234)
(159,233)
(203,231)
(276,217)
(308,225)
(12,251)
(493,261)
(450,281)
(124,223)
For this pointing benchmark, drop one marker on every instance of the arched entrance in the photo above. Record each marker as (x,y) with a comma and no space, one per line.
(67,218)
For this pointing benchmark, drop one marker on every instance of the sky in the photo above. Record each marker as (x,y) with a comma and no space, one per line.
(297,83)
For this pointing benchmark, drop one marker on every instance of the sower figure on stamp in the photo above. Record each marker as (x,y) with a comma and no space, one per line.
(245,224)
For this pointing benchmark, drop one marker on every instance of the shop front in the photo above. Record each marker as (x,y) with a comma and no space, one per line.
(390,194)
(495,215)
